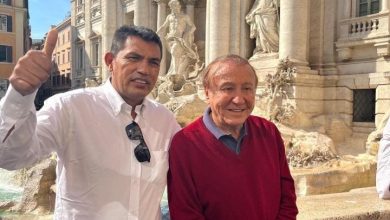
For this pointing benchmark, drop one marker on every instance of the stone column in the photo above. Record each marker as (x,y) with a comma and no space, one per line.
(142,12)
(153,15)
(235,25)
(347,9)
(217,29)
(385,5)
(190,8)
(161,16)
(294,29)
(245,41)
(87,40)
(109,25)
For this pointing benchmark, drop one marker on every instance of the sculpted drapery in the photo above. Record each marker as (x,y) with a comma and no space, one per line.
(264,25)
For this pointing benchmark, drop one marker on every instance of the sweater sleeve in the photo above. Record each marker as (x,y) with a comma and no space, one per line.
(182,196)
(383,167)
(288,208)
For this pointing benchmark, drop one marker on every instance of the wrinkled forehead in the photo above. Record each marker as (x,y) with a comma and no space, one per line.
(228,67)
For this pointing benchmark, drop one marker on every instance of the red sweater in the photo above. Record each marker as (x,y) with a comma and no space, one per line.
(207,180)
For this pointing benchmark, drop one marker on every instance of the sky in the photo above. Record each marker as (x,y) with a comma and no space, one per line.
(44,13)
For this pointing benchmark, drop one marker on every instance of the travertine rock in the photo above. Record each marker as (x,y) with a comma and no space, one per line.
(37,196)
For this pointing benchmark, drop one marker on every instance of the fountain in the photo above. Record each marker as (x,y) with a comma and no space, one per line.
(9,190)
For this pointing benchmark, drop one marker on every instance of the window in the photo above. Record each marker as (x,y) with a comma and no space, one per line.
(63,80)
(58,79)
(80,57)
(5,54)
(5,23)
(54,82)
(5,2)
(367,7)
(95,53)
(364,105)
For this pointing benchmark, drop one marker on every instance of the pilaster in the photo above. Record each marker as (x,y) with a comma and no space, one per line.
(294,29)
(217,29)
(190,8)
(385,5)
(142,13)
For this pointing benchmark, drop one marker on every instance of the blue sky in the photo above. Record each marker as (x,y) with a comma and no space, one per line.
(44,13)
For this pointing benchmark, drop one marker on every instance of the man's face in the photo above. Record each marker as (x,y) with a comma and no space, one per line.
(175,8)
(231,95)
(134,69)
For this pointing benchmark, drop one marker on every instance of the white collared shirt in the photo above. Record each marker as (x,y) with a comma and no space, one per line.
(383,166)
(98,176)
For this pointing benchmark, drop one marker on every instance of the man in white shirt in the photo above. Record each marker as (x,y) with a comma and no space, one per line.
(111,140)
(383,166)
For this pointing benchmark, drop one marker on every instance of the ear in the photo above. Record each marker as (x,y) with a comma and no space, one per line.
(206,92)
(108,58)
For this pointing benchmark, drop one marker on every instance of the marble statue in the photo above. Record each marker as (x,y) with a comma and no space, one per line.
(264,26)
(180,41)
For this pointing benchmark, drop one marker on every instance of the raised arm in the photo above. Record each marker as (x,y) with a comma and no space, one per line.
(20,145)
(161,30)
(383,166)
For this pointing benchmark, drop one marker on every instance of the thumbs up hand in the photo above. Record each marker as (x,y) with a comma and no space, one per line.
(33,69)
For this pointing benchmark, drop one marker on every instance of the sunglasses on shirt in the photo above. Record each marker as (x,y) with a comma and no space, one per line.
(141,152)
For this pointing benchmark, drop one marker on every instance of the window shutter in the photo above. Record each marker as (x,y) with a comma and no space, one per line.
(9,54)
(9,23)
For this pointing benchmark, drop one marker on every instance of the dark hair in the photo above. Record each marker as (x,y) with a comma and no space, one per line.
(236,59)
(125,31)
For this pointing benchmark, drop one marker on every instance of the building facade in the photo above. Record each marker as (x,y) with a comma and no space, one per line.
(60,76)
(340,50)
(14,36)
(61,71)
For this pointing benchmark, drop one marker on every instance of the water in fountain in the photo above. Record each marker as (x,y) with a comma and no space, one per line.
(9,191)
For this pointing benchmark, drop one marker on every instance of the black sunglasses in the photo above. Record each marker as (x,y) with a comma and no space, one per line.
(141,152)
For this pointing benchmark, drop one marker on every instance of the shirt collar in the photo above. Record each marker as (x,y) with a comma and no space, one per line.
(118,104)
(218,133)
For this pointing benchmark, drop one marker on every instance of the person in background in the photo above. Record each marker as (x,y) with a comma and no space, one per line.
(111,141)
(383,166)
(228,164)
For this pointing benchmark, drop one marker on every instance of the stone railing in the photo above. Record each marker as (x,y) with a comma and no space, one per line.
(370,30)
(364,27)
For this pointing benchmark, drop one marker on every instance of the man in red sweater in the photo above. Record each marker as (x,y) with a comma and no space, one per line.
(229,165)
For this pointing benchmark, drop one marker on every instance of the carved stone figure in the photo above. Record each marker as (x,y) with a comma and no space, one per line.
(180,41)
(277,85)
(264,25)
(92,82)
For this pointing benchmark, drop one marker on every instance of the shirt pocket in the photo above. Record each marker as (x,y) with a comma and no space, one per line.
(156,170)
